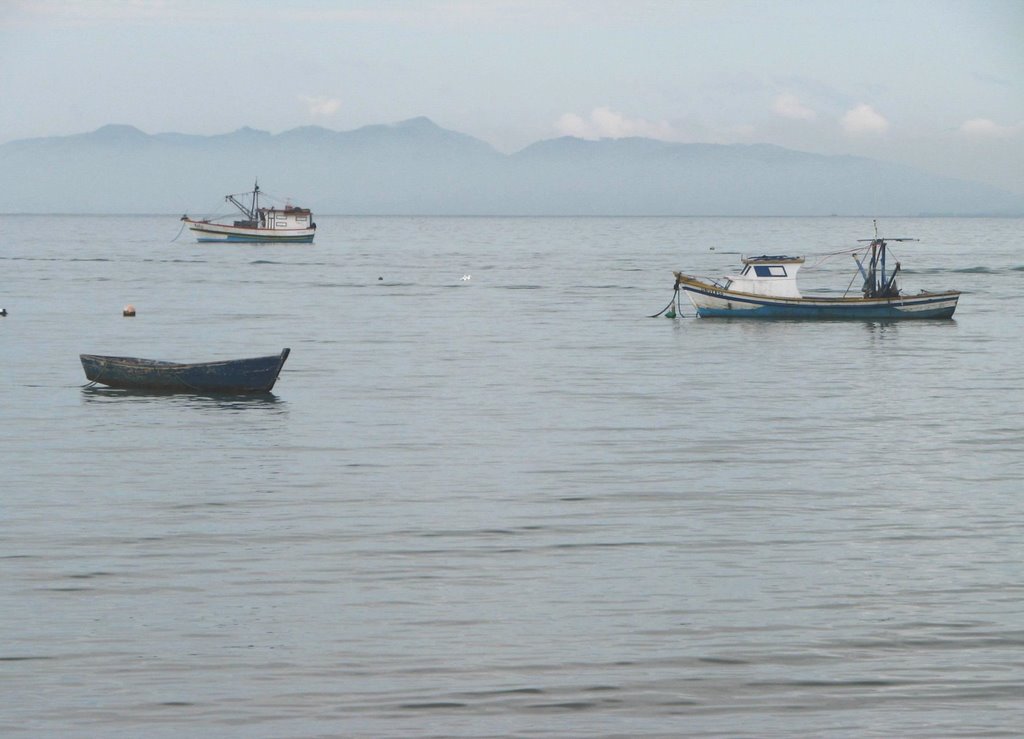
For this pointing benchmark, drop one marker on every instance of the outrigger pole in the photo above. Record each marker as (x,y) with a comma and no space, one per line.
(249,214)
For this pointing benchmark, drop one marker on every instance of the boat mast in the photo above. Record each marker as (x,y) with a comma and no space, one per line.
(249,213)
(876,284)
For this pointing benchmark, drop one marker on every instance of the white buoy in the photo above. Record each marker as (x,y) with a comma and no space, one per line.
(129,311)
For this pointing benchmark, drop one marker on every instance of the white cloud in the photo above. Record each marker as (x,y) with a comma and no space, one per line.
(320,106)
(604,123)
(788,105)
(571,124)
(864,120)
(985,128)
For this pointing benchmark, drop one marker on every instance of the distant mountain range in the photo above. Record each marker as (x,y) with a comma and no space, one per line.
(418,168)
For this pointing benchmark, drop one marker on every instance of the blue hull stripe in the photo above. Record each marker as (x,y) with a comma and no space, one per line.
(255,239)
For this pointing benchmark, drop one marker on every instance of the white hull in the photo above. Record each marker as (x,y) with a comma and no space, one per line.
(289,224)
(712,301)
(218,232)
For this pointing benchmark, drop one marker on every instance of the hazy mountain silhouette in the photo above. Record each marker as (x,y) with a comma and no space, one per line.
(417,167)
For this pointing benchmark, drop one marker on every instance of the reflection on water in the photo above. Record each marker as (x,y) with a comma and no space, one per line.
(99,394)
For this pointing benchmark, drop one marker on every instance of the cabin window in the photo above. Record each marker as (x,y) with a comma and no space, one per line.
(769,270)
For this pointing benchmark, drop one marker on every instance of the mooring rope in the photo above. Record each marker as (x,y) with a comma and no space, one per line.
(673,301)
(183,224)
(99,375)
(210,215)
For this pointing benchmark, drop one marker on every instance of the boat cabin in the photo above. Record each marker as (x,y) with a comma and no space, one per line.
(767,275)
(289,217)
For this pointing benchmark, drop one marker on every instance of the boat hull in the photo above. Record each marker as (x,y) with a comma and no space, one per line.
(714,302)
(206,232)
(232,376)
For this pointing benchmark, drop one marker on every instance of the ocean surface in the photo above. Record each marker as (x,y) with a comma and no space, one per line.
(490,496)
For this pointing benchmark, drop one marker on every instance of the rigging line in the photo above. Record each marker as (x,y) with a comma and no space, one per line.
(851,281)
(828,256)
(214,212)
(274,199)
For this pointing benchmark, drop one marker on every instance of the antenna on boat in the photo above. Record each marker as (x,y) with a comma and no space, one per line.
(881,240)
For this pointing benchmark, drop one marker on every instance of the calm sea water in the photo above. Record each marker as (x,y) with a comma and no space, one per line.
(511,504)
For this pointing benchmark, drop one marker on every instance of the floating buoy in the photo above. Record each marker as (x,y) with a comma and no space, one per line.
(129,310)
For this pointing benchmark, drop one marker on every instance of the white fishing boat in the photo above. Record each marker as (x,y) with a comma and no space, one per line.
(288,223)
(766,288)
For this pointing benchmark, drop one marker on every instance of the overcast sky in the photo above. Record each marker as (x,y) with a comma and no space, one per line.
(938,84)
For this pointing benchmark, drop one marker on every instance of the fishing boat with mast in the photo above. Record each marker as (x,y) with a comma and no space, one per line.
(287,224)
(766,288)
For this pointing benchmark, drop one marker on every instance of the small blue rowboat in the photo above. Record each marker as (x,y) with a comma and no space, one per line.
(229,376)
